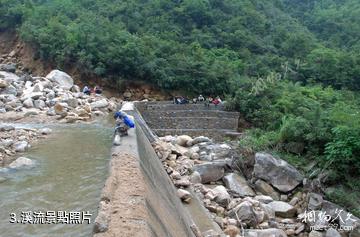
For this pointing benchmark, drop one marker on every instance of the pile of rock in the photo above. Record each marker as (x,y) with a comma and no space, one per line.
(143,93)
(270,203)
(16,141)
(53,95)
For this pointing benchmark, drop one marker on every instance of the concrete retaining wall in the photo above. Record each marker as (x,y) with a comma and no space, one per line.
(193,122)
(167,216)
(165,118)
(191,113)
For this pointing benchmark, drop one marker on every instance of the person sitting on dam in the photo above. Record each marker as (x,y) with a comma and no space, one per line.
(97,90)
(201,98)
(123,122)
(86,90)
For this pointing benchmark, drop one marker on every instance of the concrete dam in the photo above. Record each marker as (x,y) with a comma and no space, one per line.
(143,202)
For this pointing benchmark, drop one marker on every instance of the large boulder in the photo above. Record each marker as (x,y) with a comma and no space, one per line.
(238,184)
(99,104)
(283,209)
(61,78)
(183,140)
(21,162)
(210,171)
(345,218)
(277,172)
(265,233)
(245,212)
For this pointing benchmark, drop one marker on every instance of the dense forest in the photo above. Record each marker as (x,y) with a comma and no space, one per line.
(291,67)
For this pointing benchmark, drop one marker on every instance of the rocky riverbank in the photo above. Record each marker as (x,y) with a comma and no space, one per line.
(36,99)
(15,141)
(25,98)
(269,198)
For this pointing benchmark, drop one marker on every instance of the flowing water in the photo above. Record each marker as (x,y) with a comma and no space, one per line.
(71,168)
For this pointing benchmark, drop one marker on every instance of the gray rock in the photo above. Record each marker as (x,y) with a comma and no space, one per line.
(38,87)
(8,67)
(72,102)
(277,172)
(283,209)
(99,104)
(39,104)
(314,201)
(265,188)
(200,139)
(336,212)
(355,232)
(245,212)
(31,112)
(102,220)
(315,233)
(264,199)
(222,197)
(238,185)
(332,233)
(265,233)
(183,140)
(61,78)
(210,171)
(51,112)
(21,146)
(195,178)
(50,95)
(9,77)
(2,110)
(270,213)
(184,195)
(9,90)
(32,95)
(217,151)
(75,89)
(5,128)
(28,103)
(45,131)
(21,162)
(7,142)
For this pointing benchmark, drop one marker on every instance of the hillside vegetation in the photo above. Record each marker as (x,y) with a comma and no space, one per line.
(291,67)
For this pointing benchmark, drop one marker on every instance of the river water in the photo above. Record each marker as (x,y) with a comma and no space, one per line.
(71,169)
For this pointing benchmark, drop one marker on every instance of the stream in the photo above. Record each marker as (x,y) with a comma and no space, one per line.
(71,169)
